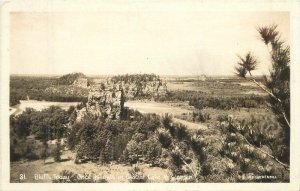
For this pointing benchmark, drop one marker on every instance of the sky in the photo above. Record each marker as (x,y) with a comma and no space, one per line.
(162,42)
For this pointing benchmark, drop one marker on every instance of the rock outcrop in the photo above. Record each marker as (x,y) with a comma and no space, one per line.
(105,101)
(81,82)
(106,98)
(141,85)
(151,89)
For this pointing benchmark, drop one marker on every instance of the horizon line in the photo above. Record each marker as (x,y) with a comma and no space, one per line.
(165,75)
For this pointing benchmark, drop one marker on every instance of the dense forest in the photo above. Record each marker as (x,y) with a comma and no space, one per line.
(202,100)
(35,88)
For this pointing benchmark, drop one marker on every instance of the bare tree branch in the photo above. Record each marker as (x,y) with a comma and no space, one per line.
(271,94)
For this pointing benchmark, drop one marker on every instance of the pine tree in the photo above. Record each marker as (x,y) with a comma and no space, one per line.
(277,83)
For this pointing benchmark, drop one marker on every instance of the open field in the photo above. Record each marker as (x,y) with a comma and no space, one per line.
(155,107)
(216,87)
(39,105)
(163,108)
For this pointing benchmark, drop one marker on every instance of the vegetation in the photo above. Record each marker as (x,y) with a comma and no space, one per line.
(277,84)
(30,131)
(57,152)
(195,116)
(69,79)
(201,100)
(221,154)
(230,150)
(137,175)
(109,140)
(42,88)
(251,144)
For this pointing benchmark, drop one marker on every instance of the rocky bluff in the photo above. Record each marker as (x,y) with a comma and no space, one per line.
(106,99)
(141,86)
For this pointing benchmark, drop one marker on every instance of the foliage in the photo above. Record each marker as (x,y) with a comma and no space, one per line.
(32,129)
(47,124)
(69,79)
(132,152)
(151,151)
(115,139)
(137,175)
(202,100)
(107,154)
(57,152)
(165,138)
(277,84)
(22,148)
(245,65)
(147,151)
(243,141)
(30,155)
(195,116)
(36,88)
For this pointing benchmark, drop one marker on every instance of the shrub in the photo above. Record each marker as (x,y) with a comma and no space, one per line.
(243,154)
(221,118)
(151,151)
(176,164)
(165,139)
(137,175)
(139,137)
(199,149)
(167,123)
(132,152)
(14,156)
(201,100)
(181,132)
(31,156)
(206,169)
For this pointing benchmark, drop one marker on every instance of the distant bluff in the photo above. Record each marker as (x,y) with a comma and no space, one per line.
(77,79)
(106,99)
(135,86)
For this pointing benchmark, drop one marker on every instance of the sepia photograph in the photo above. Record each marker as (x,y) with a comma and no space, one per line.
(147,95)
